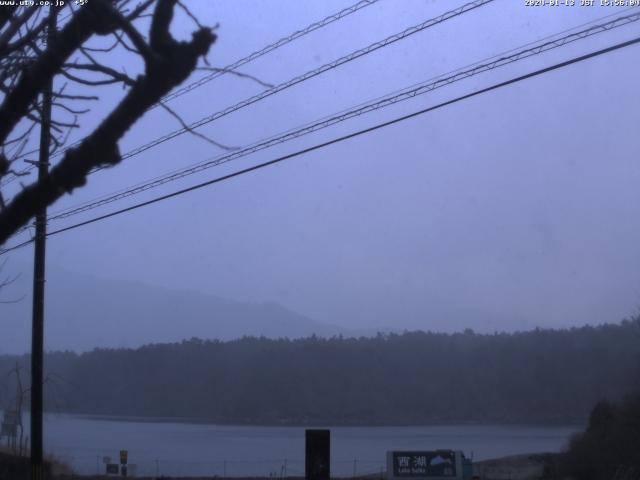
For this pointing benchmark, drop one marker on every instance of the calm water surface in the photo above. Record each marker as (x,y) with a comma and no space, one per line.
(167,448)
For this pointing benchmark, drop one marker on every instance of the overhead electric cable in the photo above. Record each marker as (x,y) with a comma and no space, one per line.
(311,74)
(209,162)
(379,103)
(307,76)
(358,133)
(237,64)
(269,48)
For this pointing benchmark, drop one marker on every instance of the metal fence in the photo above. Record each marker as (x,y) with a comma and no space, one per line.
(267,468)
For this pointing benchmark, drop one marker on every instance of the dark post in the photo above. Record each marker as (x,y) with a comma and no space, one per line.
(317,454)
(37,332)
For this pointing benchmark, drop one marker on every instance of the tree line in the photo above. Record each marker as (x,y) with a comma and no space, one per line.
(539,376)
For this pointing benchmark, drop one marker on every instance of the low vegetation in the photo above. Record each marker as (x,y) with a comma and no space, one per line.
(608,449)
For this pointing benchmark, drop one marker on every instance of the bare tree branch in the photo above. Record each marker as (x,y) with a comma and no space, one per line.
(6,281)
(189,14)
(96,67)
(31,35)
(194,132)
(139,10)
(237,74)
(95,17)
(13,29)
(168,63)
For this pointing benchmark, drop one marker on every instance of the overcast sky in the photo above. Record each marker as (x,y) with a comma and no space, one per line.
(521,205)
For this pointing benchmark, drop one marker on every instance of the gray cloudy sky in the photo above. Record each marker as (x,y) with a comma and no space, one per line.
(516,209)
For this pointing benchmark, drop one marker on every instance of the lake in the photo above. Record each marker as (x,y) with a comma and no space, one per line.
(171,448)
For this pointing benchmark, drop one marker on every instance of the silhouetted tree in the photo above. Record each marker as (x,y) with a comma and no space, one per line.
(27,65)
(608,449)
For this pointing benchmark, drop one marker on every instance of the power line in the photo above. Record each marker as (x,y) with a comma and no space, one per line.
(380,103)
(235,65)
(311,74)
(358,133)
(269,48)
(307,76)
(214,161)
(272,47)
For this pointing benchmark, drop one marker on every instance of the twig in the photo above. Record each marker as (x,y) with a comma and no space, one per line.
(237,74)
(193,132)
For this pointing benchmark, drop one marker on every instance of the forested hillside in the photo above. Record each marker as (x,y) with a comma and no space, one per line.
(541,376)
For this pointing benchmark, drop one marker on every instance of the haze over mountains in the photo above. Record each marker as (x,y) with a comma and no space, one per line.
(84,312)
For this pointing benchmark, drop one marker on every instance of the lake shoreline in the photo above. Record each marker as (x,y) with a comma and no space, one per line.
(539,466)
(312,424)
(203,449)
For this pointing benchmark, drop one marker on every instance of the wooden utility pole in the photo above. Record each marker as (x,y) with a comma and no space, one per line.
(37,322)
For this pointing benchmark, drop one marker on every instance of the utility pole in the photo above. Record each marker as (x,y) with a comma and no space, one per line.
(37,321)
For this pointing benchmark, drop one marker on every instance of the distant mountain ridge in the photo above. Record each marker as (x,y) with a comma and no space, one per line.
(84,312)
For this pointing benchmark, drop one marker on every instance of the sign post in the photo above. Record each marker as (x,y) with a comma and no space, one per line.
(317,454)
(123,462)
